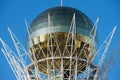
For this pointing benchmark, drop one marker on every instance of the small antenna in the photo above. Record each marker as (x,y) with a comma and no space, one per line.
(61,3)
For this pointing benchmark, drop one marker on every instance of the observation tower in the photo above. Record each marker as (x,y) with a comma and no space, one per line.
(61,45)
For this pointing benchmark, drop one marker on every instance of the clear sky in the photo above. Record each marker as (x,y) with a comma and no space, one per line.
(13,13)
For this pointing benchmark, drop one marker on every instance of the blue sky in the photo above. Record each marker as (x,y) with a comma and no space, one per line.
(13,13)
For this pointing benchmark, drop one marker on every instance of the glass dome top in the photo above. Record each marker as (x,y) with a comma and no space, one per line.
(62,17)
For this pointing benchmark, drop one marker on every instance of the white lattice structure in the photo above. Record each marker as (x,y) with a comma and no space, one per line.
(57,55)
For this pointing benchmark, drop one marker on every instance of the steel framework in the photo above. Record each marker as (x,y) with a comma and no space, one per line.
(26,68)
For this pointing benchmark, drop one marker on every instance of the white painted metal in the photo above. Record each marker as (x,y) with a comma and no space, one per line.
(15,62)
(101,52)
(25,71)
